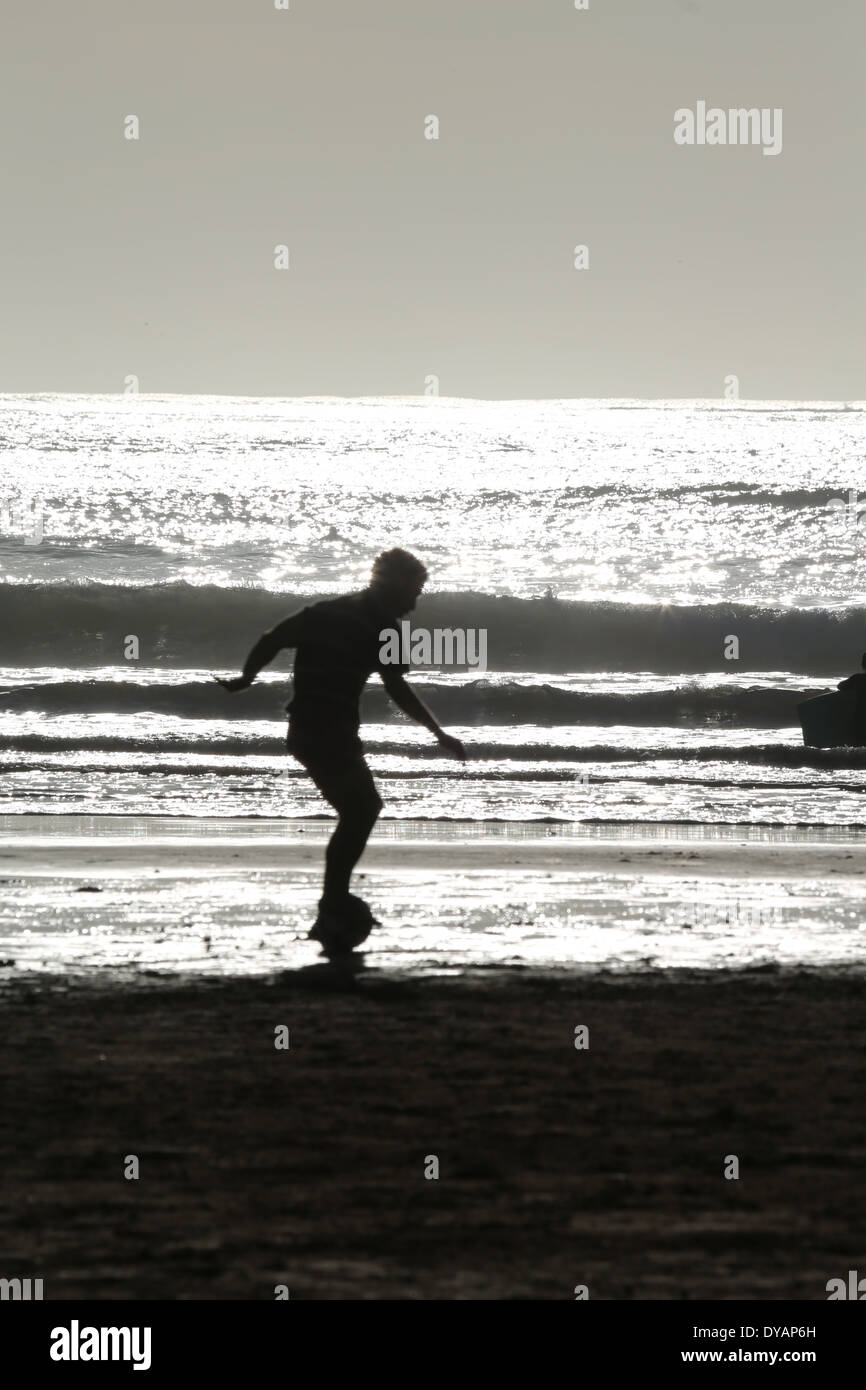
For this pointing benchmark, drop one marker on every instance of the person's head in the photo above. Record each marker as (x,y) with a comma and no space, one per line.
(398,579)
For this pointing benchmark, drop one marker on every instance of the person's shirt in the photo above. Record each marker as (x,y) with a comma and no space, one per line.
(338,648)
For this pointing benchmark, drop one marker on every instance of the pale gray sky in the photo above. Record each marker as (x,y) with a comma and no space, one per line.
(412,257)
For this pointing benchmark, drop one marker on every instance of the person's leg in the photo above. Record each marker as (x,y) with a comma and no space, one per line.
(348,786)
(354,797)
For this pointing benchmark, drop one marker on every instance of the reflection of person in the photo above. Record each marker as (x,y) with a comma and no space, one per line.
(856,685)
(338,646)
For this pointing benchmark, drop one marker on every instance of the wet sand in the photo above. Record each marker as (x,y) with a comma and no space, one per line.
(557,1166)
(122,898)
(90,846)
(305,1166)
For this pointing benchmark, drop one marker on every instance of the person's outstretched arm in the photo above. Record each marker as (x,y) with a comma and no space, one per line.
(404,698)
(286,634)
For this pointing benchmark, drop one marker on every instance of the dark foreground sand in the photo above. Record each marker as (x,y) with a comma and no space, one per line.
(557,1167)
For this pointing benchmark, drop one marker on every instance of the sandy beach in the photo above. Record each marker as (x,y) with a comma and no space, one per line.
(305,1166)
(557,1167)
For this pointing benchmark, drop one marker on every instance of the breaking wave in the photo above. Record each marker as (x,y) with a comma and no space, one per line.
(189,625)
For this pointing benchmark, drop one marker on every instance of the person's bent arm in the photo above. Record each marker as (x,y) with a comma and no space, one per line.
(404,698)
(285,634)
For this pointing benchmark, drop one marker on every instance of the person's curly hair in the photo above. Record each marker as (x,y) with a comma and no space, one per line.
(398,565)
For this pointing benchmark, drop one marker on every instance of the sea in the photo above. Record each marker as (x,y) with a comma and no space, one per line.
(659,584)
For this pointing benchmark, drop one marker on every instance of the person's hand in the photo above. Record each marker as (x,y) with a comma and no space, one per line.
(235,683)
(452,746)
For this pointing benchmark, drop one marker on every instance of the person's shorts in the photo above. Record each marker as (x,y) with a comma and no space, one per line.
(337,765)
(334,750)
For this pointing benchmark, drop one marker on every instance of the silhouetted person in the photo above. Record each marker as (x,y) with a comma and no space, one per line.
(856,685)
(338,647)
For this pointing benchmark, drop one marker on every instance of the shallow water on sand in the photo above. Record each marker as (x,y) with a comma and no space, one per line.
(145,898)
